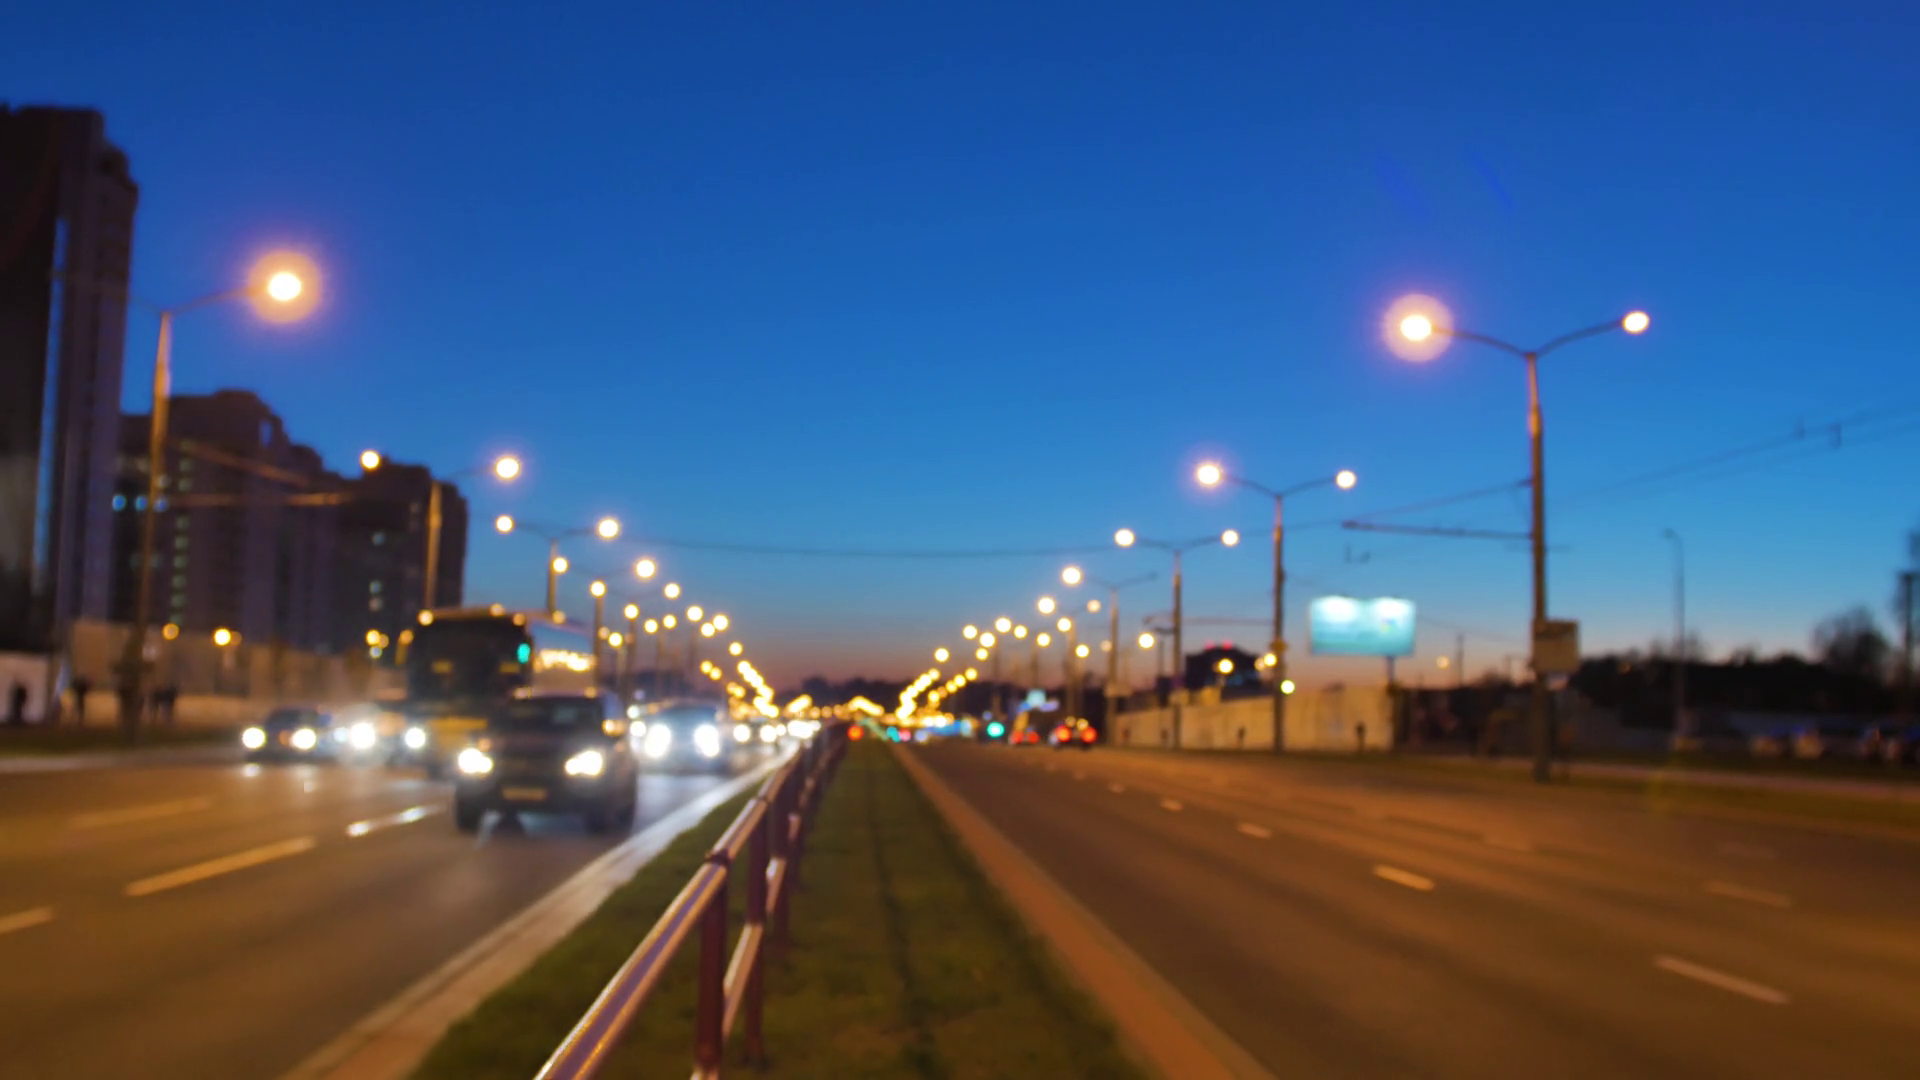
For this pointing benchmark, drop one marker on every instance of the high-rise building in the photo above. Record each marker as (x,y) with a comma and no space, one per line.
(382,550)
(67,203)
(247,531)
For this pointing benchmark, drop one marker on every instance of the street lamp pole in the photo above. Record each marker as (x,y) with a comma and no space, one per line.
(1416,327)
(1679,634)
(1127,538)
(283,282)
(1211,475)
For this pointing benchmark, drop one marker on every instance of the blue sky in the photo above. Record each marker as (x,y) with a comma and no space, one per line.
(996,275)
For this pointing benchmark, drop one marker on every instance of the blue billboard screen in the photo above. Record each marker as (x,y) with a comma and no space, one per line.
(1344,626)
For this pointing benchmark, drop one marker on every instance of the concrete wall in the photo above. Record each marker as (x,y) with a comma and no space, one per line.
(1330,719)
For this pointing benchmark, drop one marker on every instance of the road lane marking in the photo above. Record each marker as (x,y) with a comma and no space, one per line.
(1256,831)
(1757,896)
(1116,788)
(1511,843)
(1053,768)
(404,817)
(129,814)
(226,864)
(1403,877)
(23,920)
(1079,776)
(1171,804)
(1733,984)
(1747,851)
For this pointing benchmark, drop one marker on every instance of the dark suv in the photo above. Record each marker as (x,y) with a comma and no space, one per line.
(550,753)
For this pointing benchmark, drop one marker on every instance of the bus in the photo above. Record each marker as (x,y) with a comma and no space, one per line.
(460,664)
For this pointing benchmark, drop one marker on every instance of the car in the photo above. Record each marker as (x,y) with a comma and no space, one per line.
(1078,734)
(297,733)
(682,734)
(1827,740)
(1898,745)
(550,752)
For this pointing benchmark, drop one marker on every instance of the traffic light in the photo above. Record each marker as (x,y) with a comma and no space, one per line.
(996,729)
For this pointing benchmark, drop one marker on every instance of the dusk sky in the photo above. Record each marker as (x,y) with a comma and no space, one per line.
(995,276)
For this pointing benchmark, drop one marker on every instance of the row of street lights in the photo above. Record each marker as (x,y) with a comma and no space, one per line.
(1417,328)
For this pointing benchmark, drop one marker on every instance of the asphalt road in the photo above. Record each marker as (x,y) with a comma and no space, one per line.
(177,920)
(1370,922)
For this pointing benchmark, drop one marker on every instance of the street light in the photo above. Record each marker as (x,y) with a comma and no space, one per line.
(940,655)
(671,592)
(1212,474)
(283,287)
(645,569)
(1679,633)
(1003,624)
(504,468)
(721,622)
(1073,575)
(605,528)
(1046,605)
(1424,330)
(1127,538)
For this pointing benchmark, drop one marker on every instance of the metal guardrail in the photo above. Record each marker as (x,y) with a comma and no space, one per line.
(772,832)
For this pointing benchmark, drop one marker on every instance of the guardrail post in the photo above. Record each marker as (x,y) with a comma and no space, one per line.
(711,1001)
(776,824)
(757,858)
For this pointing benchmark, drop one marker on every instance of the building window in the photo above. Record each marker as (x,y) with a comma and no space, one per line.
(179,581)
(374,587)
(119,502)
(376,604)
(379,538)
(179,561)
(180,540)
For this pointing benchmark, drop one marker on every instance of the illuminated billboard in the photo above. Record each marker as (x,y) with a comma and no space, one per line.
(1344,626)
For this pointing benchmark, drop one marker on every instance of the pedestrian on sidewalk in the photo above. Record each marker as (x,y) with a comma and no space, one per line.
(81,687)
(17,704)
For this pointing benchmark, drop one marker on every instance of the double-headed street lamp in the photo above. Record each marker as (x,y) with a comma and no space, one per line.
(283,288)
(606,529)
(1127,538)
(1423,328)
(505,468)
(1073,575)
(1212,475)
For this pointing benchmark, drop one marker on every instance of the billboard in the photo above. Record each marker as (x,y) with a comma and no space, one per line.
(1344,626)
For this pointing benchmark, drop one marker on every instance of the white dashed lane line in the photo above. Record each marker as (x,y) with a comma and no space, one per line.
(226,864)
(1751,896)
(24,920)
(127,815)
(1255,831)
(1117,788)
(1403,877)
(1732,984)
(1171,804)
(404,817)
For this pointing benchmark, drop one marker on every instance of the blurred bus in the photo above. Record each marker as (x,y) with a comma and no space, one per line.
(460,664)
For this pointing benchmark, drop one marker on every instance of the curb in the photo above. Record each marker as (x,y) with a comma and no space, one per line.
(1161,1028)
(390,1042)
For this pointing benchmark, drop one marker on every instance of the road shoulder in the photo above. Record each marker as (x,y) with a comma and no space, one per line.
(1155,1021)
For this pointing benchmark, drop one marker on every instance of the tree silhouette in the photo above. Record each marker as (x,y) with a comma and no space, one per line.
(1851,643)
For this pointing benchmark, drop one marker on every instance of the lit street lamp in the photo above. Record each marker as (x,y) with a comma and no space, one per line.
(506,468)
(1128,538)
(1424,329)
(282,288)
(606,529)
(1073,575)
(1210,475)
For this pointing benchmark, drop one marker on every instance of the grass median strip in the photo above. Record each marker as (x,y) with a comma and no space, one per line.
(905,962)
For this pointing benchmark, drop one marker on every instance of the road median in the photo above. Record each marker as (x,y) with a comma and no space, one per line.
(904,961)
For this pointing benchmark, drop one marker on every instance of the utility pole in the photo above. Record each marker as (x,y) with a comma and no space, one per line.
(1459,659)
(1906,644)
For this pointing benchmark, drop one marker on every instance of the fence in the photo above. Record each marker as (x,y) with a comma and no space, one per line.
(772,832)
(1334,718)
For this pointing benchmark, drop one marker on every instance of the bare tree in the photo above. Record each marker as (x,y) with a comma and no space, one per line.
(1851,643)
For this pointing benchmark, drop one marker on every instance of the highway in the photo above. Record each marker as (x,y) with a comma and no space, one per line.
(1355,921)
(190,920)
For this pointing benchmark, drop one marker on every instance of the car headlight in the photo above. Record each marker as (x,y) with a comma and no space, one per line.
(415,738)
(474,762)
(253,738)
(305,739)
(658,741)
(586,763)
(741,733)
(639,728)
(769,734)
(362,736)
(706,739)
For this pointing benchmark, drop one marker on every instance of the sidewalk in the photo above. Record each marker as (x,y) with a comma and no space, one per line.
(1871,790)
